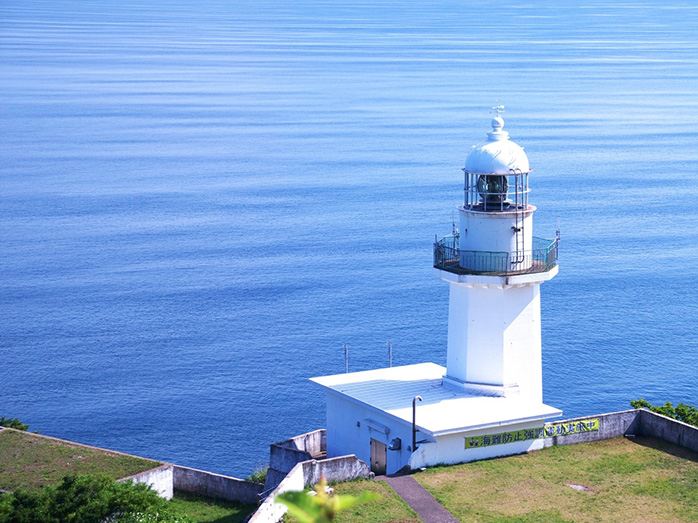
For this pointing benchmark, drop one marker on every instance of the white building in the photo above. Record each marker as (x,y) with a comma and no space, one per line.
(488,401)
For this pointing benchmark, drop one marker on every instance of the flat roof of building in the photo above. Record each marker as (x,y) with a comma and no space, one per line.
(443,410)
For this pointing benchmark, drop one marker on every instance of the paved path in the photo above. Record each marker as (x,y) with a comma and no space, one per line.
(415,495)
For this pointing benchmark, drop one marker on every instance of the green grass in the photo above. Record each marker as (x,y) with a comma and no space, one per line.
(627,480)
(31,461)
(389,508)
(207,510)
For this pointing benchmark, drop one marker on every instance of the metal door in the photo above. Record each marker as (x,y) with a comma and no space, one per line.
(379,457)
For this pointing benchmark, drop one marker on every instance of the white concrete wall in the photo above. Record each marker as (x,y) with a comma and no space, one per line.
(284,455)
(340,469)
(494,337)
(160,479)
(215,485)
(305,474)
(522,342)
(270,511)
(450,449)
(345,437)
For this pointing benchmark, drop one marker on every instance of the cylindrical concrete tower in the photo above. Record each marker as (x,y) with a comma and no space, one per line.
(495,267)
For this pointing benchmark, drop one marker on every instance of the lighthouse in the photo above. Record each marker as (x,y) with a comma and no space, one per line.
(488,400)
(494,266)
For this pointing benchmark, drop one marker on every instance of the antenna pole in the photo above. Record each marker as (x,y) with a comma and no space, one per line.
(346,358)
(390,354)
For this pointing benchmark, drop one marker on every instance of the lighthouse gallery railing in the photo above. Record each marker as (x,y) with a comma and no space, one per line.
(449,257)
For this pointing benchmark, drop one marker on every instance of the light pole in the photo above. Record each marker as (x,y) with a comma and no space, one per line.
(414,421)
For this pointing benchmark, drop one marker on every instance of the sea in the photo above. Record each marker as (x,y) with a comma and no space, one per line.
(202,202)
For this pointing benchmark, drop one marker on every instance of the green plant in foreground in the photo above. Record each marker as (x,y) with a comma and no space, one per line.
(682,412)
(321,507)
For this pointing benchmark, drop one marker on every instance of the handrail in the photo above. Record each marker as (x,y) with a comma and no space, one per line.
(449,257)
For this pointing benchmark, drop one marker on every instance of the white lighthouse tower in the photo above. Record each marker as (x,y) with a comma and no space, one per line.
(495,266)
(488,400)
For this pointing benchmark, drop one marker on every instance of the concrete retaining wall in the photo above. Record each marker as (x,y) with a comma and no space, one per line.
(284,455)
(281,461)
(271,512)
(638,422)
(215,485)
(343,468)
(668,429)
(160,478)
(611,425)
(314,442)
(307,474)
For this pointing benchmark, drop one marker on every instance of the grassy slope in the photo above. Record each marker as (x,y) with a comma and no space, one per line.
(31,461)
(628,480)
(389,508)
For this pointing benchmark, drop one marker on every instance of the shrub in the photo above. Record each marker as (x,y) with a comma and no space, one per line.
(13,423)
(88,499)
(682,412)
(259,475)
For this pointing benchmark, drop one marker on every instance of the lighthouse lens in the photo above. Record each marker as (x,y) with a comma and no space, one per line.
(492,188)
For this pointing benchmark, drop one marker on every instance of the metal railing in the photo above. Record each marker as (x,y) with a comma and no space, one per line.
(449,257)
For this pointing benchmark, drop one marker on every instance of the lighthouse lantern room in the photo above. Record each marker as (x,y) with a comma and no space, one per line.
(488,401)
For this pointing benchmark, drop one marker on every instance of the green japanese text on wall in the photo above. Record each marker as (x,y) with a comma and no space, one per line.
(549,431)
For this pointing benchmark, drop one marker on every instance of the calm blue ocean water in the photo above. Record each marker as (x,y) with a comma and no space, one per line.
(200,202)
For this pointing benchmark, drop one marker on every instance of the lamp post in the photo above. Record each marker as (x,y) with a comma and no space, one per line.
(414,421)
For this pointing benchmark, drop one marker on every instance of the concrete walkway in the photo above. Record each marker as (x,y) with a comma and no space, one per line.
(415,495)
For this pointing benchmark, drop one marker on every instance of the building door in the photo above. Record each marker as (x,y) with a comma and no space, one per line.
(379,457)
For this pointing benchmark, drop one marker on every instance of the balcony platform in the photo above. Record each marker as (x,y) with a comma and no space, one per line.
(496,280)
(448,257)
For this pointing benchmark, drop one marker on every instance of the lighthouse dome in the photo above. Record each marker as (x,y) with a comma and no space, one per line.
(497,154)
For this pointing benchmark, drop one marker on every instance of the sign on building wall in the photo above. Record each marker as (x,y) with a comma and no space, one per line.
(549,431)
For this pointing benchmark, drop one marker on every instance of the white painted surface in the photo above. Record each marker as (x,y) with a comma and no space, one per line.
(494,338)
(497,154)
(351,426)
(270,511)
(498,281)
(494,232)
(385,395)
(159,478)
(451,449)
